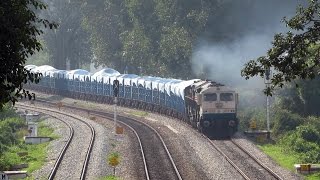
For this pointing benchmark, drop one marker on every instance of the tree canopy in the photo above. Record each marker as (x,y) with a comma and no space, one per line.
(295,54)
(19,28)
(147,36)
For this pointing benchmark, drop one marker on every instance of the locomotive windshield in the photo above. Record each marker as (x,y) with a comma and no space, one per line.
(226,97)
(210,97)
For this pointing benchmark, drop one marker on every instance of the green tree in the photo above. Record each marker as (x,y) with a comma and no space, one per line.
(136,49)
(156,35)
(285,121)
(176,47)
(304,100)
(294,55)
(104,19)
(19,31)
(69,43)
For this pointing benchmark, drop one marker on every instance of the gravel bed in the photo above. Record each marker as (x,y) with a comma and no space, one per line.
(265,159)
(71,164)
(104,144)
(191,151)
(243,161)
(202,159)
(125,145)
(98,160)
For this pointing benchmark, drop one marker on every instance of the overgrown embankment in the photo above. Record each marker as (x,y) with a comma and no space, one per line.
(295,137)
(13,150)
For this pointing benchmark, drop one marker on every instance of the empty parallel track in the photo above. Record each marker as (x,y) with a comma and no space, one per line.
(245,163)
(157,160)
(58,161)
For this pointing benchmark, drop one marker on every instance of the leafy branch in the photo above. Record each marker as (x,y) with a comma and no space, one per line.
(293,55)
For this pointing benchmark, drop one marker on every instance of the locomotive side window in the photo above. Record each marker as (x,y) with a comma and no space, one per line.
(210,97)
(226,97)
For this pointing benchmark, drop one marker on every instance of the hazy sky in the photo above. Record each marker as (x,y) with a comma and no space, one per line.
(255,28)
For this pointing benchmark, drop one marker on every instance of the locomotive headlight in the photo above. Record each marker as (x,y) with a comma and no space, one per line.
(206,123)
(232,123)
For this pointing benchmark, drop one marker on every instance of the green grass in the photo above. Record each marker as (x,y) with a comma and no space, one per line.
(313,176)
(139,113)
(35,158)
(37,153)
(110,177)
(285,159)
(45,131)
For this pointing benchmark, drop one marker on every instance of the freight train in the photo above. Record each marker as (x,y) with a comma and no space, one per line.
(206,105)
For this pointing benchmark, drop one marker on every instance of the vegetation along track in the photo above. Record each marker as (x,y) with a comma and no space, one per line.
(158,161)
(245,163)
(79,143)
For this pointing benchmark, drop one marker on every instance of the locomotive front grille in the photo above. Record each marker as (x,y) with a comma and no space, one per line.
(219,116)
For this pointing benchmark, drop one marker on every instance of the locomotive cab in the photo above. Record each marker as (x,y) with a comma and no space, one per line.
(218,110)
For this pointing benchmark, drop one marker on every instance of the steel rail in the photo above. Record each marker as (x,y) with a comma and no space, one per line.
(165,147)
(103,113)
(159,136)
(89,150)
(257,160)
(228,159)
(65,147)
(140,144)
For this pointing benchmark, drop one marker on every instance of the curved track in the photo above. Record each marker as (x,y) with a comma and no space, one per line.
(245,163)
(57,164)
(272,173)
(156,156)
(158,162)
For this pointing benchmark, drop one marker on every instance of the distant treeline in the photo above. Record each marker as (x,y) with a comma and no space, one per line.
(152,37)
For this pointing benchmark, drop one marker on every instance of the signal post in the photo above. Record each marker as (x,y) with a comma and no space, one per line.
(115,94)
(268,82)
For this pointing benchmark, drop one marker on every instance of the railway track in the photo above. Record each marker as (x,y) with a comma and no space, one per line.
(157,160)
(245,163)
(75,131)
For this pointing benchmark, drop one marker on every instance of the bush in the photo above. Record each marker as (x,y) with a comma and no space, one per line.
(246,115)
(309,133)
(9,125)
(7,112)
(285,121)
(8,159)
(305,141)
(312,156)
(314,121)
